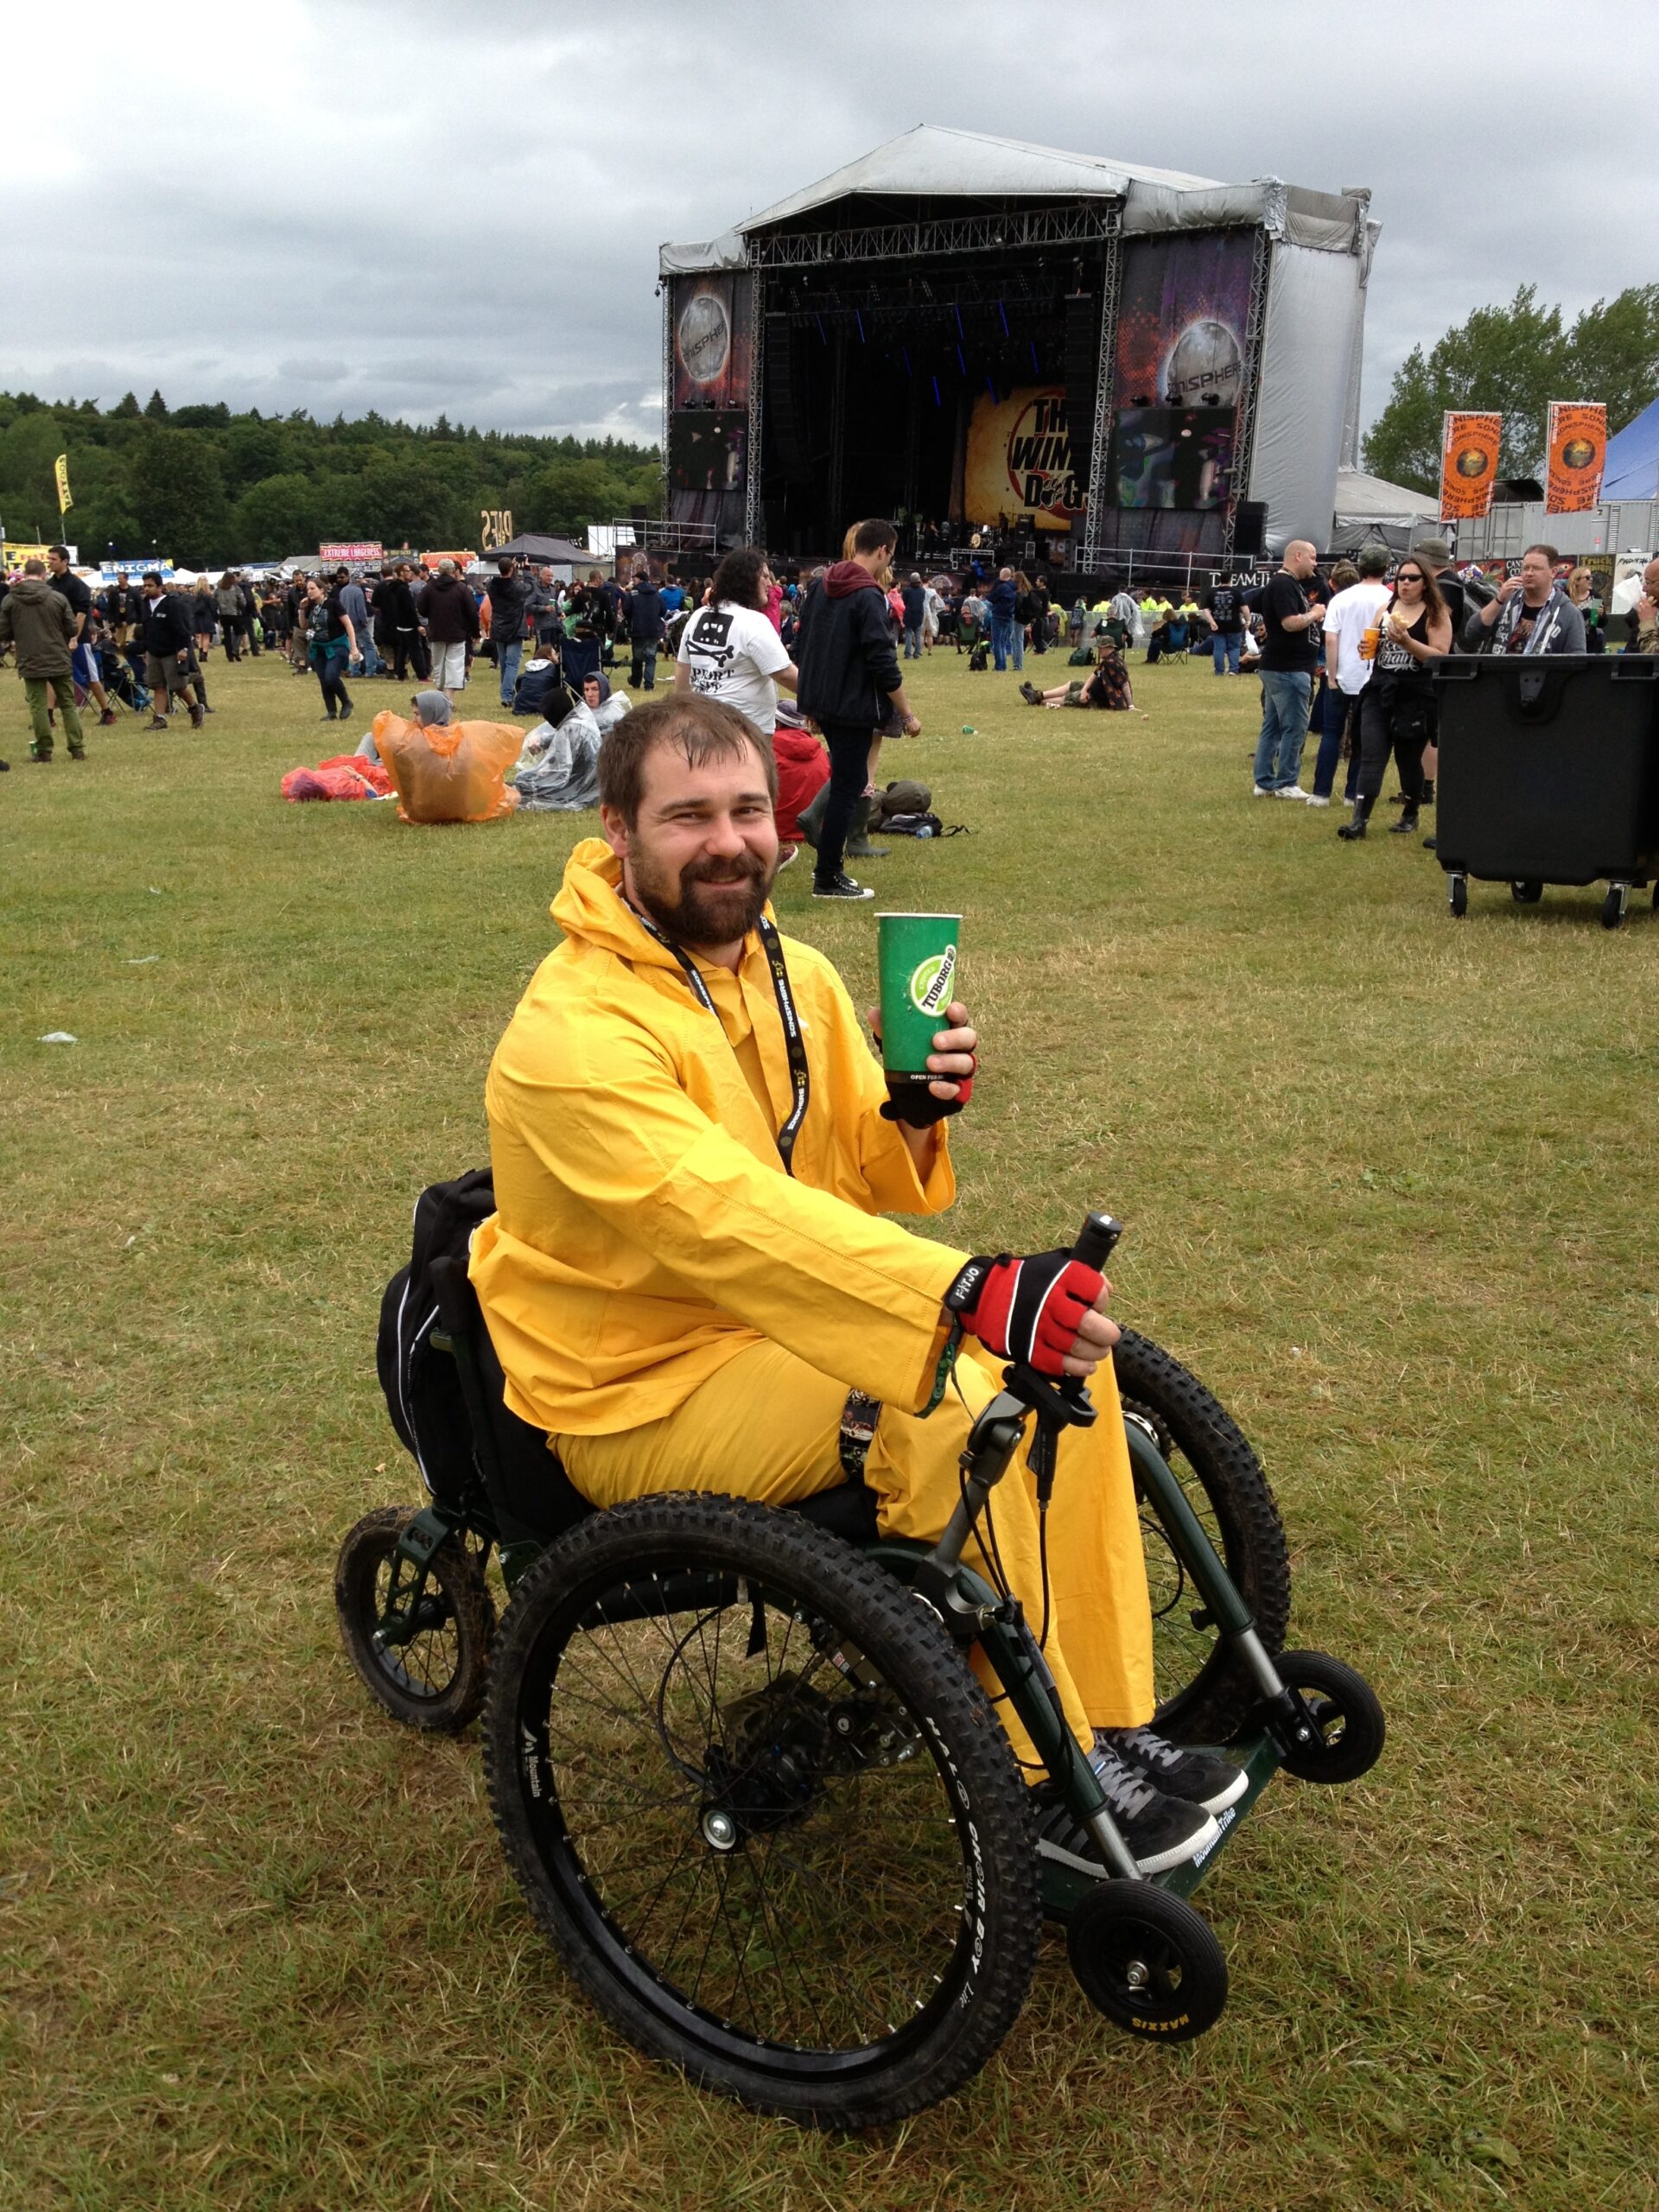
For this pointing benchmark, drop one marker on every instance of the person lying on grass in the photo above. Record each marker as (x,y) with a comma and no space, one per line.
(1108,687)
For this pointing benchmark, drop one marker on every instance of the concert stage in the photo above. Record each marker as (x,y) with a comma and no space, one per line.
(977,332)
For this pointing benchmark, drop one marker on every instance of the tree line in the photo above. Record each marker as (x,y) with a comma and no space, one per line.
(1513,361)
(202,486)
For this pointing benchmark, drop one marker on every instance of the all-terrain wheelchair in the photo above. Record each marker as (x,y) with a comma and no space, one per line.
(746,1779)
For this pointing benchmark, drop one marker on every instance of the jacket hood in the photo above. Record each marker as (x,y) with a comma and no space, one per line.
(847,577)
(445,583)
(590,910)
(31,590)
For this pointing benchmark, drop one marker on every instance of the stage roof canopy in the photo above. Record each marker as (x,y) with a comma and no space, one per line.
(932,163)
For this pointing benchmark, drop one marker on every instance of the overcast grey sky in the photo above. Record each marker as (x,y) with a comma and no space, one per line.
(423,206)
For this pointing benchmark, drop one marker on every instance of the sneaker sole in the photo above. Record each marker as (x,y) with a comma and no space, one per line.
(1230,1795)
(1158,1862)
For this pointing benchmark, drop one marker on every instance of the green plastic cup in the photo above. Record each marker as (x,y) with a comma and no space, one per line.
(918,956)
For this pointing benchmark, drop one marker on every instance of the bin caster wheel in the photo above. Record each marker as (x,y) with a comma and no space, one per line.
(1458,894)
(1612,906)
(1148,1961)
(1525,893)
(1345,1713)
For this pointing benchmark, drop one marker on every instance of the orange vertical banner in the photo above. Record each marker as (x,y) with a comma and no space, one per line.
(1578,454)
(1468,445)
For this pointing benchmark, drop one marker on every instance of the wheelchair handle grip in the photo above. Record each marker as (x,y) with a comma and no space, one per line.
(1096,1241)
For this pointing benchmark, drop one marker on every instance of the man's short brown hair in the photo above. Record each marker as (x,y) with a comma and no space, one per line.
(1549,552)
(699,728)
(871,537)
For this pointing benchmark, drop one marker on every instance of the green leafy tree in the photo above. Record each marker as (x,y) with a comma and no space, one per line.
(278,516)
(178,494)
(155,408)
(253,451)
(28,496)
(1513,361)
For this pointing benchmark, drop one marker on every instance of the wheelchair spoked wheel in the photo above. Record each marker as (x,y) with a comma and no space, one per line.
(438,1679)
(764,1811)
(1203,1693)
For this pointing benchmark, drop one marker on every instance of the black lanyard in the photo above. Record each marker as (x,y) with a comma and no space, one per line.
(794,1044)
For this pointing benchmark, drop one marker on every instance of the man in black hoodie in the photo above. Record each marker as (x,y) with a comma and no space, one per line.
(849,685)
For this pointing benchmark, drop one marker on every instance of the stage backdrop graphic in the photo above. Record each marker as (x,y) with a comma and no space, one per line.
(1578,453)
(1181,319)
(711,340)
(1020,458)
(1469,450)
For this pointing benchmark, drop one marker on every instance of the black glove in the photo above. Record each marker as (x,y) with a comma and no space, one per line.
(913,1100)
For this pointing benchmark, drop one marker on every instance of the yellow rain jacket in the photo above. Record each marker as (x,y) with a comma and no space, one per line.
(646,1232)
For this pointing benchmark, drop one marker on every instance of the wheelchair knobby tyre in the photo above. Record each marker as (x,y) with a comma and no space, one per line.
(1203,1691)
(765,1813)
(437,1680)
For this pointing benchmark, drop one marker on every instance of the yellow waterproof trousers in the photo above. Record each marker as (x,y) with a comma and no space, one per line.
(766,1426)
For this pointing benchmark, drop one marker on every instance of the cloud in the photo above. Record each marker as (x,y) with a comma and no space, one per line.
(404,206)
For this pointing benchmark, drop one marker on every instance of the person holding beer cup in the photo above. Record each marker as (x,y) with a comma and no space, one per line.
(1396,706)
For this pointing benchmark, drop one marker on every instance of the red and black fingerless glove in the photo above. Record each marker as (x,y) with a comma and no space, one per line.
(913,1101)
(1028,1310)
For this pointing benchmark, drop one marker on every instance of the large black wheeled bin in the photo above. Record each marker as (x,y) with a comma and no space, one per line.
(1548,773)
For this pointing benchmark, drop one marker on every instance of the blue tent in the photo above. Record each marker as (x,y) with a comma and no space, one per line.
(1633,470)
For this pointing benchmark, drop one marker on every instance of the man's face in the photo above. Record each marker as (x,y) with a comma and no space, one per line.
(1650,580)
(152,591)
(1536,578)
(590,689)
(56,564)
(1300,559)
(701,857)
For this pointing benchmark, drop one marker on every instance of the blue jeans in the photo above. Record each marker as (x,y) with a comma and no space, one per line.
(912,641)
(1002,643)
(1285,693)
(508,659)
(1224,649)
(371,658)
(1337,704)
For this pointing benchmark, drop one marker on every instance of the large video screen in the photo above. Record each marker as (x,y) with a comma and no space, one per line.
(1180,458)
(706,453)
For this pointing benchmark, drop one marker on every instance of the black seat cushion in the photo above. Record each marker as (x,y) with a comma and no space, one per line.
(848,1510)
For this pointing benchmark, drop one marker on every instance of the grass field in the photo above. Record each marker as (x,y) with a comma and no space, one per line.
(1390,1186)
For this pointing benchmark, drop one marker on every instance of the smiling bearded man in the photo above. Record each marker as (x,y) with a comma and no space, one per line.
(689,1282)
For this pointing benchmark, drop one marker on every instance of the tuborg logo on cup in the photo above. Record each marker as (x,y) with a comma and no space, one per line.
(930,983)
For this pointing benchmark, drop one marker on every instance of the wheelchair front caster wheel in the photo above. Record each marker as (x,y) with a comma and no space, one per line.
(436,1677)
(1148,1961)
(1348,1723)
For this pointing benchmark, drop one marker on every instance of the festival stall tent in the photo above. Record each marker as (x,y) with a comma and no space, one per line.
(1371,511)
(556,553)
(1632,466)
(969,326)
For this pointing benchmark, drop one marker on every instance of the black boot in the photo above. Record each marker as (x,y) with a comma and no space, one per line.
(1406,826)
(1362,816)
(1428,799)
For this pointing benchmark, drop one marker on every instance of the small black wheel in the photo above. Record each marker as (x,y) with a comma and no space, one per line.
(1526,893)
(1148,1961)
(1346,1710)
(439,1678)
(1612,907)
(754,1795)
(1458,894)
(1203,1693)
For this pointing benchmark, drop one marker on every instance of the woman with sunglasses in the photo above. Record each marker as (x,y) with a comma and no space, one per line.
(1396,708)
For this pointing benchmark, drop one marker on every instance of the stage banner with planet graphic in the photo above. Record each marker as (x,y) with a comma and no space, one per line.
(1181,318)
(711,341)
(1578,453)
(1469,446)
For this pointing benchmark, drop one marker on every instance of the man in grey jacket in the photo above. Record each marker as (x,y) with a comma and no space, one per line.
(1531,612)
(38,620)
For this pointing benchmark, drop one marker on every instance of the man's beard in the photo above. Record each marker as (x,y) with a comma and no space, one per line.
(709,903)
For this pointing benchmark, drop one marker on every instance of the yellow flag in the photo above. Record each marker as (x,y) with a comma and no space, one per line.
(61,470)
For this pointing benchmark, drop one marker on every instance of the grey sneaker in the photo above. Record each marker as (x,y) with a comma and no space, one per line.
(1161,1831)
(1197,1776)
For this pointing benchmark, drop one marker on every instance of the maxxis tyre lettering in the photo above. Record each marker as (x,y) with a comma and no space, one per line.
(1000,1878)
